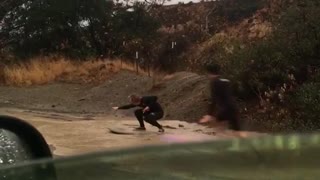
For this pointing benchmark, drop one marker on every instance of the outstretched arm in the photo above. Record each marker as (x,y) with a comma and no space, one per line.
(211,105)
(212,100)
(129,106)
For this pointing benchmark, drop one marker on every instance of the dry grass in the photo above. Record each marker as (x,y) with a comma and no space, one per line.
(45,70)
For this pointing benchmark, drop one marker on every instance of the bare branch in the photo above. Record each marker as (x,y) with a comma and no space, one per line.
(207,18)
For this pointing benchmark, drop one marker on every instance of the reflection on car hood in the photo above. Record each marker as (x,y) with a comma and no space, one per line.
(284,157)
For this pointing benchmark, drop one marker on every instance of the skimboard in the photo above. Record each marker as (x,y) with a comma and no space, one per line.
(129,131)
(124,131)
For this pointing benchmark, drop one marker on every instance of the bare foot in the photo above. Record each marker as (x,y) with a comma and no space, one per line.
(242,134)
(206,119)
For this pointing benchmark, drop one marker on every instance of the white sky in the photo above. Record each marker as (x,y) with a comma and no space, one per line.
(175,1)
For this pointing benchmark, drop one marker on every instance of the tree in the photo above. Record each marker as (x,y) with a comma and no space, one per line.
(73,28)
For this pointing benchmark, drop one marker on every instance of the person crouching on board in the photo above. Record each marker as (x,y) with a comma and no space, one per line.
(221,100)
(150,110)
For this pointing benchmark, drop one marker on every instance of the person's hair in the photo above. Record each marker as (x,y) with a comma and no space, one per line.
(134,99)
(213,69)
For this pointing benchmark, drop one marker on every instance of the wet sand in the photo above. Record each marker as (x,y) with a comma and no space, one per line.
(69,134)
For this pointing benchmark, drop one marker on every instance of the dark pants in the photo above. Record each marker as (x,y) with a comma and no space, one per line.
(150,117)
(230,115)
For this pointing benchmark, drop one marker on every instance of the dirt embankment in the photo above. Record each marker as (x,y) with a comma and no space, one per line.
(182,94)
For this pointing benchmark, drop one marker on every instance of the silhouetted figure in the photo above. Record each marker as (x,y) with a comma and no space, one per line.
(222,106)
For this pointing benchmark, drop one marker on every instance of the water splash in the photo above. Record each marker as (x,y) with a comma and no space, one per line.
(12,150)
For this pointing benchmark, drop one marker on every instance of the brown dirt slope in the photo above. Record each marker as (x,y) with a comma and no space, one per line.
(182,94)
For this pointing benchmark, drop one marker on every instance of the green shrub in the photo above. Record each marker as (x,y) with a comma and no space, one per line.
(306,103)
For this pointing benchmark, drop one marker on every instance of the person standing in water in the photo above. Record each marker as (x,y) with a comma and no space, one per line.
(150,110)
(221,100)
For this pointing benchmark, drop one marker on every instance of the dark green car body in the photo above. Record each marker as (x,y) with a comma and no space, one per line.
(283,157)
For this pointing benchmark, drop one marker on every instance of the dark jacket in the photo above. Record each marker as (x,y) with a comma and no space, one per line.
(146,101)
(221,97)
